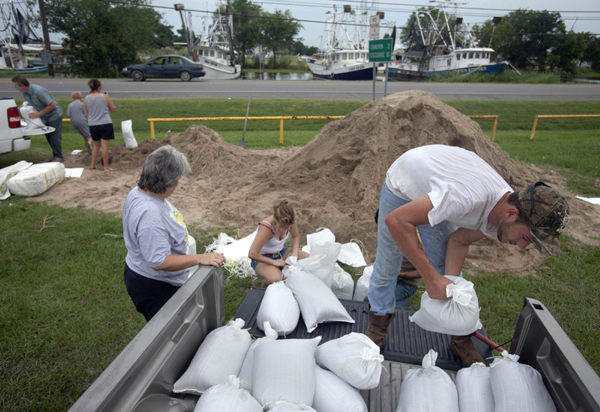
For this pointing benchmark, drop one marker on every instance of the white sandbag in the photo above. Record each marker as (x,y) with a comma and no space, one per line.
(343,284)
(280,308)
(284,370)
(475,389)
(31,123)
(362,284)
(36,179)
(326,268)
(332,394)
(8,172)
(127,130)
(322,235)
(282,406)
(247,367)
(191,250)
(457,315)
(220,355)
(317,302)
(354,358)
(351,255)
(427,389)
(306,265)
(227,397)
(518,387)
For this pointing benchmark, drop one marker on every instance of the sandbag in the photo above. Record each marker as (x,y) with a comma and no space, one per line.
(36,179)
(280,308)
(191,250)
(247,367)
(427,389)
(362,285)
(322,235)
(317,302)
(518,387)
(127,130)
(326,268)
(8,172)
(220,355)
(343,284)
(31,123)
(306,265)
(354,357)
(227,397)
(475,389)
(284,370)
(351,255)
(281,406)
(332,394)
(458,315)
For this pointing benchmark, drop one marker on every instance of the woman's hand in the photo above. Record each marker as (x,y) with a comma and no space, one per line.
(280,263)
(212,259)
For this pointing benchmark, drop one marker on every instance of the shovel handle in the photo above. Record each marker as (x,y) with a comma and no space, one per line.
(246,121)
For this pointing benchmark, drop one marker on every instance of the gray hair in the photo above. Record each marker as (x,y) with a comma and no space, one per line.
(162,169)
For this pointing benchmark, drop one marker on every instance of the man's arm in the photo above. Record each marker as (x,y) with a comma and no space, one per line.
(458,246)
(402,224)
(45,110)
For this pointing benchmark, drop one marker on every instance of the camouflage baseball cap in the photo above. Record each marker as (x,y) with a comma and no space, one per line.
(547,213)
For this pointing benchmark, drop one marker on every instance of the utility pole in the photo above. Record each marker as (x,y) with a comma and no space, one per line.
(46,37)
(180,8)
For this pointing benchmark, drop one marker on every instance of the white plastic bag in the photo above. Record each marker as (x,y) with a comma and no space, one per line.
(279,308)
(36,179)
(332,394)
(282,406)
(475,389)
(127,130)
(518,387)
(326,268)
(247,366)
(191,250)
(220,355)
(457,315)
(227,397)
(31,123)
(343,284)
(352,255)
(8,172)
(306,265)
(354,358)
(427,389)
(284,370)
(362,284)
(317,302)
(322,235)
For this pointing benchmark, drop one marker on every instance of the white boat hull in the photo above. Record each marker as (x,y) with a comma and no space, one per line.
(218,71)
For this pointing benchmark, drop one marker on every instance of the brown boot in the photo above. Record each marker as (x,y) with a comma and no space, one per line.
(463,347)
(378,328)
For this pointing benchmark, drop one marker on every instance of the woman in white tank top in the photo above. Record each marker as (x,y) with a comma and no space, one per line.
(267,252)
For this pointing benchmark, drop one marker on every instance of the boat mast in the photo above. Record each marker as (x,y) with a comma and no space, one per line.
(8,28)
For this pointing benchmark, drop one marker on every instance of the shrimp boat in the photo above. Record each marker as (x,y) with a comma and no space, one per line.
(345,55)
(216,48)
(436,48)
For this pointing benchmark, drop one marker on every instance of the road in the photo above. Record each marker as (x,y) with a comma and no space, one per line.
(311,89)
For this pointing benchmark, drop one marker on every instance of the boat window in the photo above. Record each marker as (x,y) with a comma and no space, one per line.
(471,55)
(344,56)
(212,53)
(464,55)
(458,56)
(476,55)
(220,55)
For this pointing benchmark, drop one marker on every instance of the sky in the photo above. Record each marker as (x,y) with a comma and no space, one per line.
(476,11)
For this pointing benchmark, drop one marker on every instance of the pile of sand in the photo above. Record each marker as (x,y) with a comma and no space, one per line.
(333,182)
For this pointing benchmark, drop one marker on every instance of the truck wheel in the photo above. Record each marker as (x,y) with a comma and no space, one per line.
(137,76)
(185,76)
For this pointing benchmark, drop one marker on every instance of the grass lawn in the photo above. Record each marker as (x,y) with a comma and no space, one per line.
(64,311)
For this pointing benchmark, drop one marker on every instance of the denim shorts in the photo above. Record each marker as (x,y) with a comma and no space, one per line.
(274,256)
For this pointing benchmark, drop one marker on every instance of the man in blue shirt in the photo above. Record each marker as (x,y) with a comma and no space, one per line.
(47,108)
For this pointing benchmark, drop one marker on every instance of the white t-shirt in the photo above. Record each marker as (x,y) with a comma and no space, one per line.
(462,187)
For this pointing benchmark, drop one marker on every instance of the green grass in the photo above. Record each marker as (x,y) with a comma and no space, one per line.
(508,76)
(65,313)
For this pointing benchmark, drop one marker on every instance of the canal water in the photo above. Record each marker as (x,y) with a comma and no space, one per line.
(276,76)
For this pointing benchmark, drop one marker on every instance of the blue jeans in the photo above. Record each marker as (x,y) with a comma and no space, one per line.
(402,292)
(388,260)
(55,138)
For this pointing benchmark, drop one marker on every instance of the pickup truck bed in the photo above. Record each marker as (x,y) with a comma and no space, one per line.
(141,378)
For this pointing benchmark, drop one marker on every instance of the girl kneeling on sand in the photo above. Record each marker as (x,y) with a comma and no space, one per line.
(267,251)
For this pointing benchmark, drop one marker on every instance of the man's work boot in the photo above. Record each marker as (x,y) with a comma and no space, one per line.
(463,347)
(378,328)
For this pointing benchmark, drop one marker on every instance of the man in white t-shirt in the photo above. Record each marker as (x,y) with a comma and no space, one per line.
(454,198)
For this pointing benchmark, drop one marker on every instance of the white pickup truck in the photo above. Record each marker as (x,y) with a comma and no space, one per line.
(141,378)
(13,136)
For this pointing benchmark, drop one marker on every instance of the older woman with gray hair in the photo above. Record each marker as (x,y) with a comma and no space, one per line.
(156,237)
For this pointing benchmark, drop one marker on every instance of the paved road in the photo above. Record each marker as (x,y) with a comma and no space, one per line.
(312,89)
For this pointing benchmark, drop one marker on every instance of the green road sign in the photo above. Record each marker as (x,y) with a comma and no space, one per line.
(380,50)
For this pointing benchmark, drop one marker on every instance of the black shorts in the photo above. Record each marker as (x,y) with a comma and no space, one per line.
(148,295)
(102,131)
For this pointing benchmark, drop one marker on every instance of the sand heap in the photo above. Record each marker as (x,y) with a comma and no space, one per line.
(334,181)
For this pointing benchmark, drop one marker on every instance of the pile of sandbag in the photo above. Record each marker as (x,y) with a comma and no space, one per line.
(233,374)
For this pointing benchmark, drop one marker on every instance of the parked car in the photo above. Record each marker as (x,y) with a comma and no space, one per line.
(165,67)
